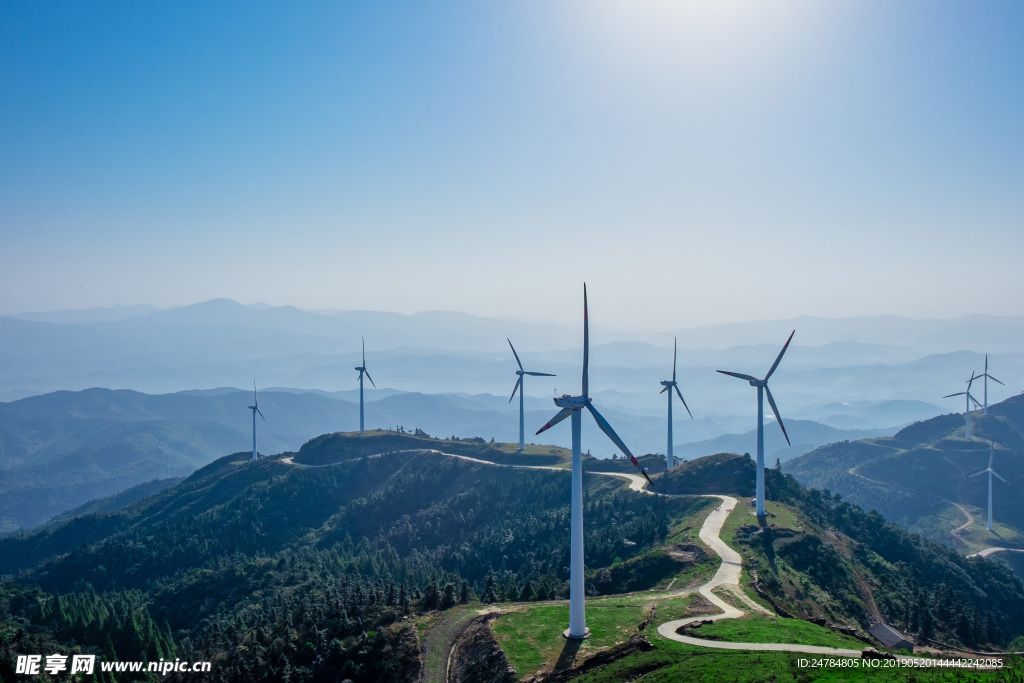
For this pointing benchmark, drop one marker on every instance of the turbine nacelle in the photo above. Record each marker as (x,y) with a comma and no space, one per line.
(572,402)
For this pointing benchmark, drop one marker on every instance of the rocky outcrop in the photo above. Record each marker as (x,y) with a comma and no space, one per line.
(604,658)
(477,657)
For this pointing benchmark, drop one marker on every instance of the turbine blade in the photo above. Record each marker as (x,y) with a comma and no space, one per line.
(540,374)
(993,378)
(675,350)
(607,429)
(779,359)
(1001,479)
(684,401)
(977,473)
(976,401)
(369,378)
(736,374)
(254,391)
(514,353)
(364,351)
(519,380)
(261,414)
(644,472)
(959,393)
(586,345)
(971,380)
(775,409)
(562,414)
(663,390)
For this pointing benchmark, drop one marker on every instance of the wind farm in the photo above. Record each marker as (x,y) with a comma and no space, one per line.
(991,473)
(762,390)
(968,399)
(363,371)
(572,407)
(200,197)
(669,386)
(986,377)
(521,388)
(255,408)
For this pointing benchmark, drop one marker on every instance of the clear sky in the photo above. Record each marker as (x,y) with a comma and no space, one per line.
(696,162)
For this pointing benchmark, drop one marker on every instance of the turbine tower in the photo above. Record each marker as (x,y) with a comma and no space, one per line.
(984,410)
(967,400)
(363,371)
(573,406)
(521,387)
(991,454)
(762,388)
(255,408)
(669,458)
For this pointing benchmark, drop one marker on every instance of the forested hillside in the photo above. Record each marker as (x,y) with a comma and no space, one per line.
(275,554)
(280,571)
(915,477)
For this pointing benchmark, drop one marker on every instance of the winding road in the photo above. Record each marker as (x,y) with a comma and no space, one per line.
(727,577)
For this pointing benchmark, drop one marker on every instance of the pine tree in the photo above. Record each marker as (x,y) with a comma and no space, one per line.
(489,595)
(449,596)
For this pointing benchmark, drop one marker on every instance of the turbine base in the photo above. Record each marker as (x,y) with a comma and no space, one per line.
(569,636)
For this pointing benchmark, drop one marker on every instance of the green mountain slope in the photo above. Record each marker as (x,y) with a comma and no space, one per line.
(336,567)
(920,479)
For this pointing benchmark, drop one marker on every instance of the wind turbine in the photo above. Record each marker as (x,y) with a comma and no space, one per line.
(984,410)
(255,408)
(967,400)
(669,459)
(991,454)
(363,371)
(573,406)
(762,388)
(521,387)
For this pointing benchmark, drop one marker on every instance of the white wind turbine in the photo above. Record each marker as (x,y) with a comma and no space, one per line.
(967,400)
(573,406)
(363,371)
(984,410)
(762,388)
(255,408)
(991,472)
(521,387)
(669,458)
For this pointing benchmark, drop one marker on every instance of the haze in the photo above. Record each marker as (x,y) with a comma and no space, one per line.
(696,163)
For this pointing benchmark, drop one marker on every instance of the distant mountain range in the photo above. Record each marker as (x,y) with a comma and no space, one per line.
(804,436)
(835,363)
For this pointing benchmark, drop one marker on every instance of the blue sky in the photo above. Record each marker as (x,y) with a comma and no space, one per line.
(695,162)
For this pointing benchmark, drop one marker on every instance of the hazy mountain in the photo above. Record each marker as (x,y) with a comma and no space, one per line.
(223,343)
(804,436)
